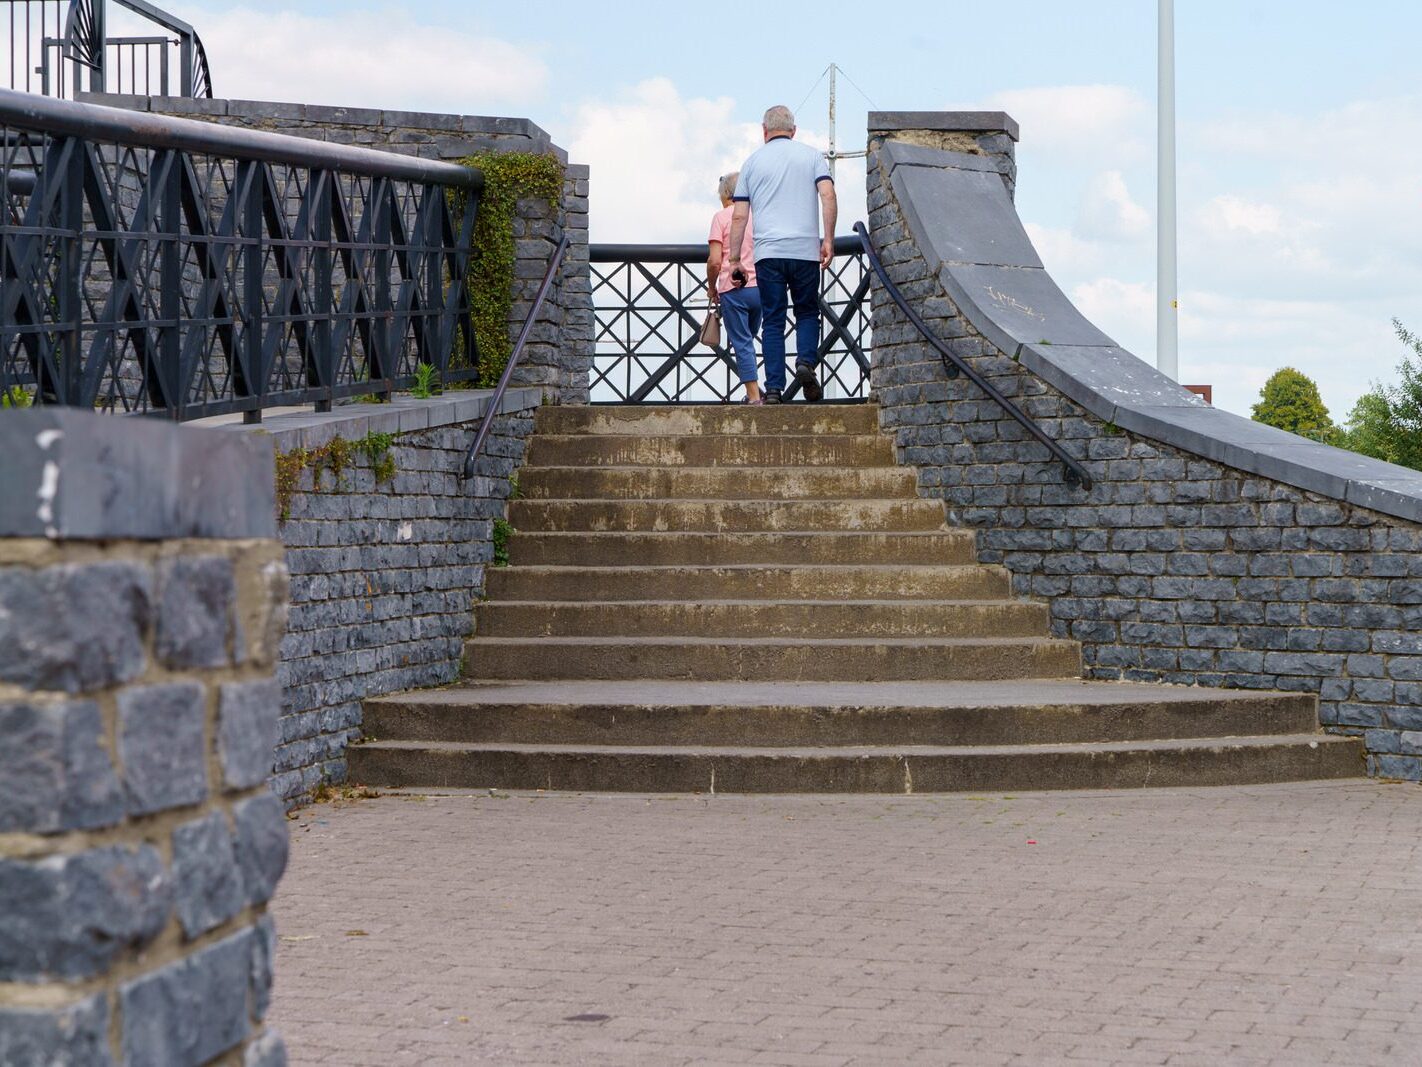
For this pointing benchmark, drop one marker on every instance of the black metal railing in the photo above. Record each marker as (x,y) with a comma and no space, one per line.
(954,365)
(61,48)
(648,302)
(487,425)
(162,265)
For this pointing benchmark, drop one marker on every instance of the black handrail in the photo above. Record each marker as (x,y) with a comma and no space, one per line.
(472,455)
(695,253)
(1075,473)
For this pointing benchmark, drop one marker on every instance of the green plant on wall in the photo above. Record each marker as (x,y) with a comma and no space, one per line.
(502,532)
(426,382)
(334,456)
(15,397)
(508,178)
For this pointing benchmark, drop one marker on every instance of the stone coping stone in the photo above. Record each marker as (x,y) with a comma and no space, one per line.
(976,238)
(345,116)
(948,121)
(1020,309)
(290,429)
(72,474)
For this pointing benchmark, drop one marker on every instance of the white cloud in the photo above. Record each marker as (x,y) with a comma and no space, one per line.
(1230,214)
(366,59)
(1124,310)
(655,158)
(1108,213)
(1080,121)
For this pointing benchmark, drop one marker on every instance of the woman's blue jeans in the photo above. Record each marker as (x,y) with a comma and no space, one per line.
(740,314)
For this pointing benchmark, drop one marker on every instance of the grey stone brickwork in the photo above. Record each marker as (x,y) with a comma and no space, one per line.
(384,574)
(134,868)
(558,356)
(1210,550)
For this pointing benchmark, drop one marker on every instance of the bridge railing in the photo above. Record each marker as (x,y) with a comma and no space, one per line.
(181,268)
(649,302)
(62,48)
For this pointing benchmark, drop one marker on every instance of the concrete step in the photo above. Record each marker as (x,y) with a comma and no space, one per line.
(726,515)
(750,450)
(818,714)
(752,581)
(653,549)
(717,483)
(905,769)
(686,420)
(771,658)
(761,618)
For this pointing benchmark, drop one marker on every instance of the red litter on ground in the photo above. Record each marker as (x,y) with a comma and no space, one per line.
(1031,842)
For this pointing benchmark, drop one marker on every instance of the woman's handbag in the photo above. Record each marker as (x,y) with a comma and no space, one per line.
(711,328)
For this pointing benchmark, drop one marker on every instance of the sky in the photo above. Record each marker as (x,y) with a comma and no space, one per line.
(1300,160)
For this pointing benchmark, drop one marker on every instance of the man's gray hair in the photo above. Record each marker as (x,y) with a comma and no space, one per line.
(726,188)
(779,119)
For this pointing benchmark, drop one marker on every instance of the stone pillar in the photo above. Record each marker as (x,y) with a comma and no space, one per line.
(142,602)
(978,133)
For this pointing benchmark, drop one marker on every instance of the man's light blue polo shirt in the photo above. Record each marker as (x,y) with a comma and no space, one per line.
(781,182)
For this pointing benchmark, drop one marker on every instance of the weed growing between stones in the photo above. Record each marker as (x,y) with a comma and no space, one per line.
(508,178)
(427,382)
(15,397)
(335,456)
(502,532)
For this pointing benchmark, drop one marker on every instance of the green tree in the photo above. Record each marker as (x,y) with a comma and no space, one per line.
(1386,422)
(1290,401)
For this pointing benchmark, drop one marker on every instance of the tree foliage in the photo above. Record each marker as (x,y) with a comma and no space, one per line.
(1290,401)
(1386,422)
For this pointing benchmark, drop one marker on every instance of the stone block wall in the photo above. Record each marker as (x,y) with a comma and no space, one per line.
(385,565)
(558,356)
(141,609)
(1174,567)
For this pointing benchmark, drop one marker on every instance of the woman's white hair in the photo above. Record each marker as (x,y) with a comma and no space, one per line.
(726,188)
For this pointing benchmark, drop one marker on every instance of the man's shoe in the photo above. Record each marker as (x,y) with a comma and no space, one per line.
(771,396)
(809,384)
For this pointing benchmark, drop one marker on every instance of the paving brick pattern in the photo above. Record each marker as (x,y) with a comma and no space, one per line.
(1266,924)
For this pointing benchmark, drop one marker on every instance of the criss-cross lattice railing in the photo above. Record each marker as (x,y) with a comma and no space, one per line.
(161,265)
(649,302)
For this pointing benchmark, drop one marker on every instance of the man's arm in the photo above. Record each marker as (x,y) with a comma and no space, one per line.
(829,210)
(739,214)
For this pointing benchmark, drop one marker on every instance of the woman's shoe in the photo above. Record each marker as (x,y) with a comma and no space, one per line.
(757,402)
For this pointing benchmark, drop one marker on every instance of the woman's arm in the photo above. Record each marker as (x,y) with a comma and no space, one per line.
(713,271)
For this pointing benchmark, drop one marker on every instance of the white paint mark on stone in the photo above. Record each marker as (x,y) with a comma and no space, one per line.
(45,438)
(406,531)
(713,779)
(908,777)
(49,483)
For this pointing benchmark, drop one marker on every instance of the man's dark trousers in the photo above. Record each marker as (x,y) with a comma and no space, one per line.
(802,278)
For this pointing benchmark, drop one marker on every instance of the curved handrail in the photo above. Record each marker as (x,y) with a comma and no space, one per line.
(1076,474)
(477,446)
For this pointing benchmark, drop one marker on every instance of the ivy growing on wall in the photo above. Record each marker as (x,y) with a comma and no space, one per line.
(508,178)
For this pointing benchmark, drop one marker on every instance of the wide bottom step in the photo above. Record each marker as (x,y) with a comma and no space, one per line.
(906,769)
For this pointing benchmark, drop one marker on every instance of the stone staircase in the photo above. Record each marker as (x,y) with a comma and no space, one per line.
(738,599)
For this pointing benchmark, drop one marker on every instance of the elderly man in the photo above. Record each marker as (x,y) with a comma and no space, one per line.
(788,187)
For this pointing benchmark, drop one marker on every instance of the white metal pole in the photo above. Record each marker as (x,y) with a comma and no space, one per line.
(1167,306)
(831,156)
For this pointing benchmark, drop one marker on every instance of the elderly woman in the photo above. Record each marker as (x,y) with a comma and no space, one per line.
(734,291)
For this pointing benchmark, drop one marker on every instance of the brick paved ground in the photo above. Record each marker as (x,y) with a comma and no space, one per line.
(1271,924)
